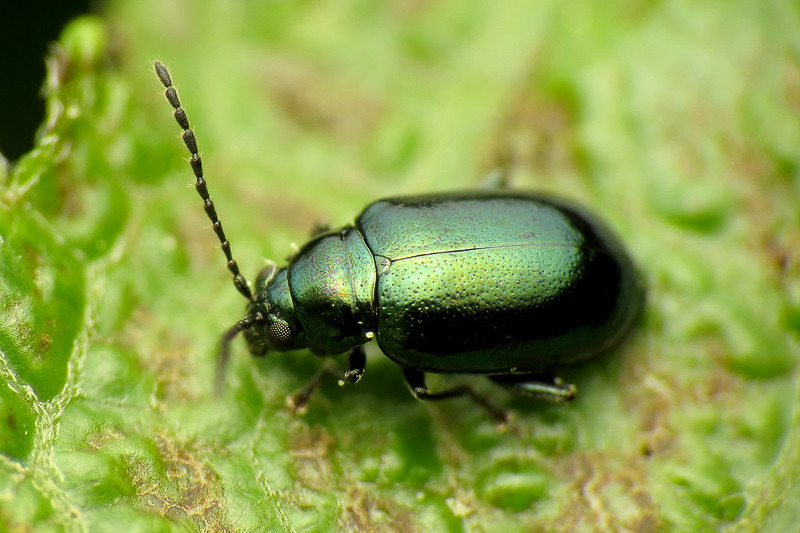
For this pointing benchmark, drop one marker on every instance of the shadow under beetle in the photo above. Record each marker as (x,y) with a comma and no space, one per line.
(510,285)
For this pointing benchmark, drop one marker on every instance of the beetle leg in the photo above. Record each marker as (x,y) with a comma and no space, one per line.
(321,227)
(496,179)
(357,361)
(298,402)
(415,379)
(537,386)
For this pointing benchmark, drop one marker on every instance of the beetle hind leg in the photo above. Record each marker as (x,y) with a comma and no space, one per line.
(415,379)
(537,386)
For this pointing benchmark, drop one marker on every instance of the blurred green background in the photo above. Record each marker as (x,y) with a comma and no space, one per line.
(678,122)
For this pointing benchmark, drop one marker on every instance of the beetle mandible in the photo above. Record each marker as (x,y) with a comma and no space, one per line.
(510,285)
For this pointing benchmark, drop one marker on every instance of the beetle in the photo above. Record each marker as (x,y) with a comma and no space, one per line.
(510,285)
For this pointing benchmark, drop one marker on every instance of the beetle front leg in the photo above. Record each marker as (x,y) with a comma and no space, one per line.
(357,360)
(321,227)
(537,386)
(298,402)
(415,379)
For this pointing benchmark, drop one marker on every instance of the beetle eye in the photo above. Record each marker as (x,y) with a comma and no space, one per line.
(280,335)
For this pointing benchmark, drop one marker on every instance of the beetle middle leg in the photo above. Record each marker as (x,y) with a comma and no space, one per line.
(496,179)
(415,379)
(356,363)
(537,386)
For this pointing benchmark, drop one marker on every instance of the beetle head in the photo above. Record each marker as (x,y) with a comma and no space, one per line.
(270,323)
(275,326)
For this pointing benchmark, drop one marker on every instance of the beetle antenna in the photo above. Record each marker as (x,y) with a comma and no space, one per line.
(200,184)
(225,348)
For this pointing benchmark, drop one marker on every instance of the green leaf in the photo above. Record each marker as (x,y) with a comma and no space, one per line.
(676,121)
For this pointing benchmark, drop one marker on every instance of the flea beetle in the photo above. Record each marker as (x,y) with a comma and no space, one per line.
(510,285)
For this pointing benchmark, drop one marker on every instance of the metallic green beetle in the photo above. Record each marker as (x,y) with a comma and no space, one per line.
(510,285)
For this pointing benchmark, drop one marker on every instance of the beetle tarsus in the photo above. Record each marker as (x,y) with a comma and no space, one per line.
(415,379)
(298,401)
(357,361)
